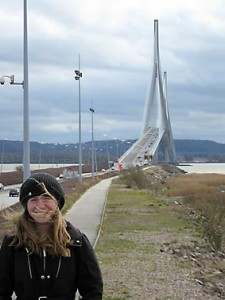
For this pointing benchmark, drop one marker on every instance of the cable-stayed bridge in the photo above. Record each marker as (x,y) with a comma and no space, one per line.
(156,133)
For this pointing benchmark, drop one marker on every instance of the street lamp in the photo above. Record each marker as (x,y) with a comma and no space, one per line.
(26,143)
(77,77)
(92,142)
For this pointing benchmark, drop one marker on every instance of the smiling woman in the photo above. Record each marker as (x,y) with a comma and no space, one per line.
(47,257)
(42,209)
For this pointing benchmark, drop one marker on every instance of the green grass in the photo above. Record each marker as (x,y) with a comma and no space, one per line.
(131,214)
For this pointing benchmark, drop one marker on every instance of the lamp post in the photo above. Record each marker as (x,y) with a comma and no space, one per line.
(74,159)
(92,143)
(3,152)
(96,162)
(64,161)
(53,156)
(39,160)
(107,149)
(123,145)
(116,149)
(26,142)
(77,77)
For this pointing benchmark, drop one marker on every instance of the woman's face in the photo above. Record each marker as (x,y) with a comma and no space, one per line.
(42,208)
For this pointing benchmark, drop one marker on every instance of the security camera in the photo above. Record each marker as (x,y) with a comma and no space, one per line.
(2,80)
(78,73)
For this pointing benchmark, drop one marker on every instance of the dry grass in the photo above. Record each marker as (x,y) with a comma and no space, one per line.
(188,184)
(204,193)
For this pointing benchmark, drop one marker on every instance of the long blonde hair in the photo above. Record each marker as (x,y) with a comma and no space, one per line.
(56,240)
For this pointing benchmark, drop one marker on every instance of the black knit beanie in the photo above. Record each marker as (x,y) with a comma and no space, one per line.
(33,186)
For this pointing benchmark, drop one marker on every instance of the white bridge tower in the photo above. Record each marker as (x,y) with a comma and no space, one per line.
(156,136)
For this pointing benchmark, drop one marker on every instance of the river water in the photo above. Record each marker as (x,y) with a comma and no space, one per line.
(218,168)
(12,167)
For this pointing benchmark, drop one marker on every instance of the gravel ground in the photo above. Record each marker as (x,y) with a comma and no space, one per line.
(157,275)
(162,263)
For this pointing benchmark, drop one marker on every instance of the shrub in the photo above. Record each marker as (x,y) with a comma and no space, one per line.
(19,168)
(134,178)
(212,209)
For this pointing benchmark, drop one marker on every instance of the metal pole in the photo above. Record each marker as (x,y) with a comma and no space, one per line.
(40,157)
(26,142)
(2,158)
(107,149)
(96,163)
(78,75)
(92,142)
(53,156)
(80,146)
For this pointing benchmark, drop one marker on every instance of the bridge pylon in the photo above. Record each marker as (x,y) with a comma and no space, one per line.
(156,113)
(156,140)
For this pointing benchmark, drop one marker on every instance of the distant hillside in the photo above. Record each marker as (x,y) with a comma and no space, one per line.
(199,146)
(200,149)
(186,150)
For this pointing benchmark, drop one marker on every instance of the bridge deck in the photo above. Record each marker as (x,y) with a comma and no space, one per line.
(143,150)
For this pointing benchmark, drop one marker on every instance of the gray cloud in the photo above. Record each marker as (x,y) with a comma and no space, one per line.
(115,42)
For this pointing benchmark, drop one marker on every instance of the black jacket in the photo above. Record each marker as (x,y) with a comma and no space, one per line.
(24,274)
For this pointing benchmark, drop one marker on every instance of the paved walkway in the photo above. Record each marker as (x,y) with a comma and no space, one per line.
(86,214)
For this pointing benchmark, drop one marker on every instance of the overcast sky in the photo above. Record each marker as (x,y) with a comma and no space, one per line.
(115,41)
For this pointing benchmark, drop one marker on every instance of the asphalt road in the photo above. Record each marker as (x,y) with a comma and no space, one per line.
(5,200)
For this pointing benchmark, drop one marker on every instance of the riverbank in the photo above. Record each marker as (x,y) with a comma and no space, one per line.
(203,168)
(15,177)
